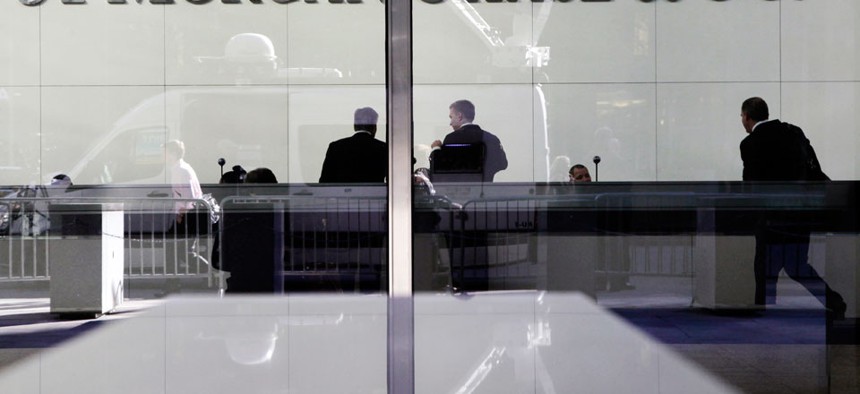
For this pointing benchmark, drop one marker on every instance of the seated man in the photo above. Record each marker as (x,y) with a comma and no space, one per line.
(579,174)
(618,267)
(261,175)
(462,114)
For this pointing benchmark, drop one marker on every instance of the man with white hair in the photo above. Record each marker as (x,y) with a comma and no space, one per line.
(360,158)
(61,180)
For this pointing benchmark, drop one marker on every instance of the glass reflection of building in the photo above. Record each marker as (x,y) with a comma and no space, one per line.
(664,238)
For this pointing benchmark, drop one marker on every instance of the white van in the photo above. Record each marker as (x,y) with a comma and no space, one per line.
(250,126)
(286,129)
(284,119)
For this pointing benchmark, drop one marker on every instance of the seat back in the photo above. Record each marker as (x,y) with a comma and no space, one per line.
(458,163)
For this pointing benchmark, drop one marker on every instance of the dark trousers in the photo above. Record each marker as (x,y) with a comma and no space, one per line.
(783,244)
(470,261)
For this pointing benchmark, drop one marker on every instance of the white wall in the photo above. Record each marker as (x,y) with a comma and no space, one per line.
(653,88)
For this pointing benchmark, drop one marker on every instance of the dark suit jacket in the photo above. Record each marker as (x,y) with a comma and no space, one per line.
(773,152)
(495,160)
(357,159)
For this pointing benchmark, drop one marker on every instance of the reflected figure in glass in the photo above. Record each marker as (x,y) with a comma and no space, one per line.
(774,151)
(579,174)
(183,179)
(468,135)
(360,158)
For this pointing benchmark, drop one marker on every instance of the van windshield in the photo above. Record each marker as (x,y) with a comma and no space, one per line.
(134,156)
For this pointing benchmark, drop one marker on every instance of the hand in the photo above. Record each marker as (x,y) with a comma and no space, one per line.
(436,144)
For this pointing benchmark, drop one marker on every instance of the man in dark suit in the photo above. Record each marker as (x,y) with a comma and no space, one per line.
(469,256)
(360,158)
(462,113)
(774,151)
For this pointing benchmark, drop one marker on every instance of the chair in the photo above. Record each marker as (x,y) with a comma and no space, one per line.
(458,163)
(252,247)
(463,163)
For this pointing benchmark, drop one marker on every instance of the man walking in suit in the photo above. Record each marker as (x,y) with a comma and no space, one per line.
(462,113)
(774,151)
(360,158)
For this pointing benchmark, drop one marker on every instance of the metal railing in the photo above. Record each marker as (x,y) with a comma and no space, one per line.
(496,239)
(316,243)
(155,246)
(333,240)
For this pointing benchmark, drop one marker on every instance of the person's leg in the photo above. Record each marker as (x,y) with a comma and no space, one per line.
(765,269)
(798,268)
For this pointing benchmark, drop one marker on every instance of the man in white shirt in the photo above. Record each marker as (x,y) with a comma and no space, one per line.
(183,180)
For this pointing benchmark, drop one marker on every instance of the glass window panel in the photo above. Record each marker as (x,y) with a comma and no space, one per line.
(19,47)
(238,44)
(821,35)
(101,44)
(661,267)
(19,134)
(666,237)
(490,46)
(726,27)
(99,91)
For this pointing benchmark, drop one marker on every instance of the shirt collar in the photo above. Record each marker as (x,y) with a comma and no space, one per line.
(763,121)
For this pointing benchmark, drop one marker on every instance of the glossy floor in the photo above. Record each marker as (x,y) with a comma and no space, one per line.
(648,341)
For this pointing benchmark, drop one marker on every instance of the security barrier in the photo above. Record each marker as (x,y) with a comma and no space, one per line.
(156,245)
(495,244)
(500,243)
(304,243)
(330,241)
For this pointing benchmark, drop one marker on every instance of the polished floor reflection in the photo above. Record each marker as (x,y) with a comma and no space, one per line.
(521,341)
(646,339)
